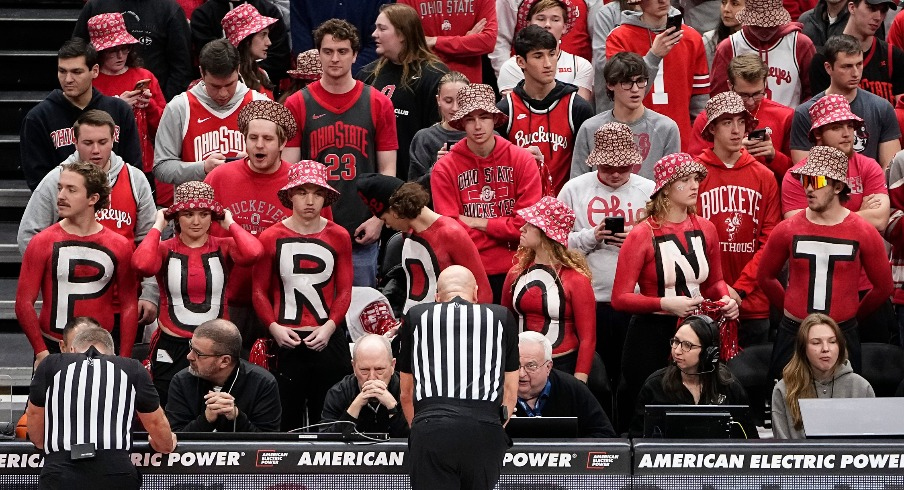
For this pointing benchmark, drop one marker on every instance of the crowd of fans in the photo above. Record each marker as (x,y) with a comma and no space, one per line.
(608,171)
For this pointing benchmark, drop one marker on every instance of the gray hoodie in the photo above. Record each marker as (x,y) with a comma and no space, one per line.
(41,211)
(844,384)
(168,164)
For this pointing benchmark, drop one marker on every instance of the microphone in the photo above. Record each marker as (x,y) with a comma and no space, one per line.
(692,374)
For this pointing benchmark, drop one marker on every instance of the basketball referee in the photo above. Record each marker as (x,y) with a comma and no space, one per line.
(458,368)
(80,412)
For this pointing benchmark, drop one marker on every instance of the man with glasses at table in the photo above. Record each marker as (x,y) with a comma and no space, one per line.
(547,392)
(219,391)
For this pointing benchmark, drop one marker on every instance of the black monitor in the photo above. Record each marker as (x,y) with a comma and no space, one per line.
(692,421)
(542,427)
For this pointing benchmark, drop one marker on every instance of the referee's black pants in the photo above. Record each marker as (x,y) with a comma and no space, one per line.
(109,469)
(454,447)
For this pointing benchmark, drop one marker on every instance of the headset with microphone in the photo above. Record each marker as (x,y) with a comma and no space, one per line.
(709,356)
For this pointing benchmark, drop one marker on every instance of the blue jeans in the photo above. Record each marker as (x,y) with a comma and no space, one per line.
(364,260)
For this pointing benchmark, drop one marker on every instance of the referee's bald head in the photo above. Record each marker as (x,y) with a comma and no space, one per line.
(456,280)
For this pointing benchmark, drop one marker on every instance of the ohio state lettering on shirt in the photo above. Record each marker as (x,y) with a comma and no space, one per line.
(210,132)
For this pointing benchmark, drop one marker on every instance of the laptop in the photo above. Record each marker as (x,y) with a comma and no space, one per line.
(542,427)
(852,417)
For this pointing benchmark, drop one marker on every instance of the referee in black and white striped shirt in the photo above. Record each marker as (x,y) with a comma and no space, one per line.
(458,367)
(80,410)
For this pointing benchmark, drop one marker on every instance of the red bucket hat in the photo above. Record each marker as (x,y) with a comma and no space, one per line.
(109,31)
(572,12)
(473,97)
(244,21)
(763,13)
(727,103)
(195,195)
(826,161)
(307,172)
(831,109)
(552,216)
(673,167)
(307,66)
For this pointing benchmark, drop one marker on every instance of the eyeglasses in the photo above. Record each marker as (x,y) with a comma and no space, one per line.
(816,181)
(685,345)
(640,82)
(533,367)
(752,96)
(199,353)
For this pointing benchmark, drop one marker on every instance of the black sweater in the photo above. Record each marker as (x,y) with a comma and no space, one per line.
(653,394)
(256,396)
(340,397)
(46,138)
(568,397)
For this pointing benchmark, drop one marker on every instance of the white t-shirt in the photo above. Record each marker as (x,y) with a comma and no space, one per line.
(572,69)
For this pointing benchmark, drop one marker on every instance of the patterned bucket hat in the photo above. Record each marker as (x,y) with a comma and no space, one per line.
(727,103)
(673,167)
(831,109)
(477,96)
(827,161)
(271,111)
(244,21)
(552,216)
(572,12)
(195,195)
(307,66)
(763,13)
(613,145)
(108,31)
(307,172)
(376,190)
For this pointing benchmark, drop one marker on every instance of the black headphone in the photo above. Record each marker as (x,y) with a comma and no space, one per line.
(709,360)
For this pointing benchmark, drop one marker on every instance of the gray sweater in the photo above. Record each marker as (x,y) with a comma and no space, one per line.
(424,146)
(41,211)
(844,384)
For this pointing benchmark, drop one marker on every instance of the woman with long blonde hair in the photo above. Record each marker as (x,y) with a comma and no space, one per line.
(672,257)
(407,72)
(819,368)
(549,288)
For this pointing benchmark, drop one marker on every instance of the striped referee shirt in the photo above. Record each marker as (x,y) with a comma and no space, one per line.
(458,350)
(90,398)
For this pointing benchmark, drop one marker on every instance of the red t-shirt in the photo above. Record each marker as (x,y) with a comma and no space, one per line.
(668,259)
(824,267)
(865,177)
(381,110)
(427,253)
(557,306)
(683,73)
(76,276)
(193,280)
(303,280)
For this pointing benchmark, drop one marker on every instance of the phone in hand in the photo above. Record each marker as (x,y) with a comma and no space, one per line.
(674,21)
(450,143)
(615,224)
(759,135)
(142,84)
(232,159)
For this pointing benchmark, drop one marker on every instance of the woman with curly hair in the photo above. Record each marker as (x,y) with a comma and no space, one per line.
(407,72)
(819,368)
(672,264)
(432,241)
(549,288)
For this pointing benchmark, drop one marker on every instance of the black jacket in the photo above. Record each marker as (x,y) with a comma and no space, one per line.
(46,138)
(256,396)
(206,26)
(652,394)
(569,397)
(341,395)
(163,34)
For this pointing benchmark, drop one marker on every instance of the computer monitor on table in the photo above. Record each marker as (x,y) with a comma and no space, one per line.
(692,421)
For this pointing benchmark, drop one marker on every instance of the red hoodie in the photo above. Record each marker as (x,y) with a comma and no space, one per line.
(743,202)
(491,187)
(771,115)
(786,67)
